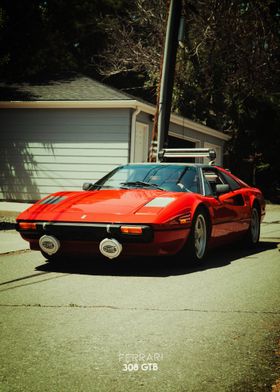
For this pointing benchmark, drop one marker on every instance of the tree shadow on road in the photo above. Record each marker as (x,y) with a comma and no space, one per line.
(155,266)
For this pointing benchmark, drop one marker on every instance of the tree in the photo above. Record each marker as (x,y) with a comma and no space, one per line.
(134,45)
(226,74)
(227,70)
(231,54)
(41,37)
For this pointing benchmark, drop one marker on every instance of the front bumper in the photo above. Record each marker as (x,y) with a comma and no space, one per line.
(85,232)
(84,238)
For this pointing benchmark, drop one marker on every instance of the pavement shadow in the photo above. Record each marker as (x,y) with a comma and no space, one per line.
(154,266)
(7,226)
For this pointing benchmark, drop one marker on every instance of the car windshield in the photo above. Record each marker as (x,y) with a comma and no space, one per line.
(175,178)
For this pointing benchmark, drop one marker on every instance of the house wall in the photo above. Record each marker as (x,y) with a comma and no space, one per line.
(200,139)
(194,135)
(44,151)
(180,132)
(142,137)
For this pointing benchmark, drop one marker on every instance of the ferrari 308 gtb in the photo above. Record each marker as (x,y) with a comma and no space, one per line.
(147,209)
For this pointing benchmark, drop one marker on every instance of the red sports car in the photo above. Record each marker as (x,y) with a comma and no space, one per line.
(145,210)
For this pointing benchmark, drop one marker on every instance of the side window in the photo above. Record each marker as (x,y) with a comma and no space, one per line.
(211,178)
(208,190)
(232,183)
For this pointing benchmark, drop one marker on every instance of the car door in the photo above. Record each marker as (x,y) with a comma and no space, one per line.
(230,207)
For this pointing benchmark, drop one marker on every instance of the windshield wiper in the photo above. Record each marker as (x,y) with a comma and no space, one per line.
(140,184)
(92,187)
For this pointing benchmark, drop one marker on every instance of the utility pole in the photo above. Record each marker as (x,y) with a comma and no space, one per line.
(168,71)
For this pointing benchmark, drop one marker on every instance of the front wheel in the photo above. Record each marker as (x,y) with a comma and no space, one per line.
(196,246)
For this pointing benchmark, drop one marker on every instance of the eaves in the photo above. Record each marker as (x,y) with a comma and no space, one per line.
(112,104)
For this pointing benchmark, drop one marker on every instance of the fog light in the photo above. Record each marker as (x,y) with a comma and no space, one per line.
(110,248)
(49,244)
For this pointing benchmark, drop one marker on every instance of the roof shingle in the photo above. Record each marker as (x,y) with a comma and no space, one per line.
(79,88)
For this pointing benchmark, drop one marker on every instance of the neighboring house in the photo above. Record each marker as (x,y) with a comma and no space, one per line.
(56,136)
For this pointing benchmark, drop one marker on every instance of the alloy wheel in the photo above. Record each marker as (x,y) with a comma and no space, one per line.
(200,236)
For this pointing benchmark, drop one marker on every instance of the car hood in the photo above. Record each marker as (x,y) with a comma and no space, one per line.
(133,205)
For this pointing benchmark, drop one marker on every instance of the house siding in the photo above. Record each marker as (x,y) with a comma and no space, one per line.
(44,151)
(186,133)
(201,139)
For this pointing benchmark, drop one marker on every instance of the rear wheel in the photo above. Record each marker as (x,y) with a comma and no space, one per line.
(253,234)
(196,246)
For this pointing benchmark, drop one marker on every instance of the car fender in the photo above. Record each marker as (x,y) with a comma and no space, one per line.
(256,198)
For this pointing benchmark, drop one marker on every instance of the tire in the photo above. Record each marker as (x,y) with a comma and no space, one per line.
(253,234)
(195,248)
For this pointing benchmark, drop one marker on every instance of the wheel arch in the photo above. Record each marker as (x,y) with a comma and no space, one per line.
(256,203)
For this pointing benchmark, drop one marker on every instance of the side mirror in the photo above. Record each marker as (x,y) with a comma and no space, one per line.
(222,188)
(87,186)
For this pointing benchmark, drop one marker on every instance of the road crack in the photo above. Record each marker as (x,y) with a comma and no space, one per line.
(112,307)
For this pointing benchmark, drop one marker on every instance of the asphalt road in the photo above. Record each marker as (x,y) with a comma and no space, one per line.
(142,325)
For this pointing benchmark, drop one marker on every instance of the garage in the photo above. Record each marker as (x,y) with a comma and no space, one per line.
(56,136)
